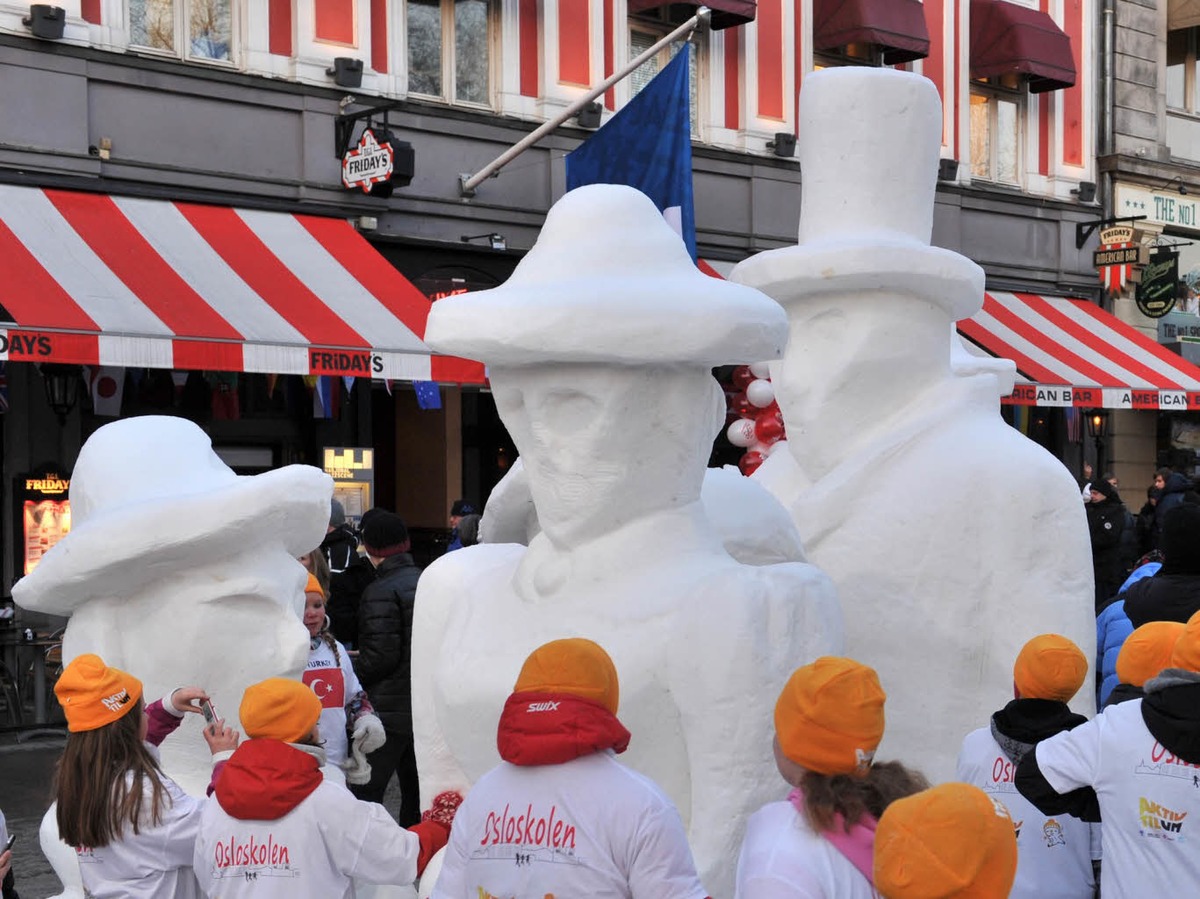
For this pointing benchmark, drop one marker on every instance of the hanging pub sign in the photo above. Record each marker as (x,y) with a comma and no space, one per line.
(367,164)
(1158,289)
(1119,252)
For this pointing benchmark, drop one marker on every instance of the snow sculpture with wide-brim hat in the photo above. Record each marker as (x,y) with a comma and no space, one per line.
(599,351)
(951,537)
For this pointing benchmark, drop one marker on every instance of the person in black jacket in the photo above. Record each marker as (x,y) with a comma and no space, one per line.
(1106,523)
(385,616)
(340,546)
(1173,594)
(1171,486)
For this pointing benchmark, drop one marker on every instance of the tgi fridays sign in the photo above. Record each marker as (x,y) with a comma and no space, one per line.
(367,164)
(1056,395)
(1117,256)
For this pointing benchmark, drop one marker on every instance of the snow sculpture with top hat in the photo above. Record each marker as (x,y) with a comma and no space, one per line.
(951,537)
(600,348)
(180,572)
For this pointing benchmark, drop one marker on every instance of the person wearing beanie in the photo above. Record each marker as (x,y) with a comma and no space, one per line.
(1106,524)
(560,816)
(949,842)
(1142,759)
(1173,594)
(344,703)
(1172,487)
(459,510)
(818,842)
(385,616)
(346,589)
(279,828)
(1056,851)
(133,828)
(1145,653)
(340,546)
(1113,627)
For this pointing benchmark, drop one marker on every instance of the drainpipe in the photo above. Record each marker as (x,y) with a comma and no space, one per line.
(1108,99)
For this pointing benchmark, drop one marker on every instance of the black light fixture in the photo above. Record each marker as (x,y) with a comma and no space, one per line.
(62,388)
(495,241)
(947,169)
(46,21)
(346,71)
(1177,179)
(783,144)
(589,116)
(1097,425)
(1086,191)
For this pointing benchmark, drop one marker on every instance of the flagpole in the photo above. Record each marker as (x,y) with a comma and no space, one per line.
(468,183)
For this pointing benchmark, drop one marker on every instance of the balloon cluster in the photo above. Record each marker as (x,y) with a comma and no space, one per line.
(755,422)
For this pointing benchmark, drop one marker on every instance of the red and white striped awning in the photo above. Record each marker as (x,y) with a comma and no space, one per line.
(95,279)
(1071,352)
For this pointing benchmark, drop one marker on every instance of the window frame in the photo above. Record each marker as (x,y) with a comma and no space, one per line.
(449,94)
(181,12)
(1191,96)
(657,23)
(1014,91)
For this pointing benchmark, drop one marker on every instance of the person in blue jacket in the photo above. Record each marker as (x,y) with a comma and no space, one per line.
(1112,627)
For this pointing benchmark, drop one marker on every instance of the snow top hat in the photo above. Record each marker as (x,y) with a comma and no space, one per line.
(608,281)
(146,492)
(870,141)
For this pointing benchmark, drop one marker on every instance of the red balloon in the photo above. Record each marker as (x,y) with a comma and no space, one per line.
(768,428)
(750,461)
(742,376)
(743,407)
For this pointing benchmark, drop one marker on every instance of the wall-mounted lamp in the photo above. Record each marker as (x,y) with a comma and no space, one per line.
(46,21)
(1178,179)
(1086,191)
(62,388)
(589,116)
(783,144)
(495,241)
(947,170)
(346,71)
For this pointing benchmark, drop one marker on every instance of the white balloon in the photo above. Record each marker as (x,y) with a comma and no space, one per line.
(741,432)
(760,393)
(761,369)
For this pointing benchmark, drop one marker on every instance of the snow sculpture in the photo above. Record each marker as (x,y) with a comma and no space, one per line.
(951,538)
(181,572)
(599,350)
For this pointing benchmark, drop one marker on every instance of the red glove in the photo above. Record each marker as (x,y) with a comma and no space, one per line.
(444,807)
(434,829)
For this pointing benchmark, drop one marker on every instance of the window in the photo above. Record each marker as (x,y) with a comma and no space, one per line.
(996,118)
(644,36)
(1181,70)
(449,50)
(193,29)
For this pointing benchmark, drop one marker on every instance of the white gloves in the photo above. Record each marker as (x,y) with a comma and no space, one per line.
(368,734)
(356,767)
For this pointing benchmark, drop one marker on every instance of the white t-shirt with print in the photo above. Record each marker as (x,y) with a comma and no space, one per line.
(335,685)
(1149,801)
(1054,852)
(782,858)
(588,827)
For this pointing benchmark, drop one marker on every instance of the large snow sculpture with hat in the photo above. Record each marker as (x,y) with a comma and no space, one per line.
(951,537)
(180,571)
(599,350)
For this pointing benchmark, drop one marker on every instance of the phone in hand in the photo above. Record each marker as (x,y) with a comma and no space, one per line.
(12,838)
(210,713)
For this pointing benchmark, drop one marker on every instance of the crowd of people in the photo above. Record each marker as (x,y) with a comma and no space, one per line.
(1046,803)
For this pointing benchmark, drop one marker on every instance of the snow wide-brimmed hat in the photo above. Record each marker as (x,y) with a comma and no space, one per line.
(147,494)
(608,281)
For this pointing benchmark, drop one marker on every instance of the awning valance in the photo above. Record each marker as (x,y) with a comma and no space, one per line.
(898,26)
(95,279)
(1007,39)
(725,13)
(1070,352)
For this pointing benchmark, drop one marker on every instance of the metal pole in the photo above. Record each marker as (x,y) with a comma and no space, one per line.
(468,183)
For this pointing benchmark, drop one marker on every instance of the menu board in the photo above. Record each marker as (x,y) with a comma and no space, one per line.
(45,512)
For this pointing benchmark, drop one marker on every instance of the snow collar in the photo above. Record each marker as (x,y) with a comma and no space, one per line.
(1023,723)
(552,728)
(266,779)
(1171,710)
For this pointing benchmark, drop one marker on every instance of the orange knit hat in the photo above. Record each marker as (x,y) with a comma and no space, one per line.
(279,709)
(575,666)
(1050,667)
(948,842)
(92,694)
(1187,648)
(313,585)
(1147,651)
(829,717)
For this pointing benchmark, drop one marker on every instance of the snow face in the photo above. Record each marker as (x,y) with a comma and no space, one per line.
(951,538)
(614,418)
